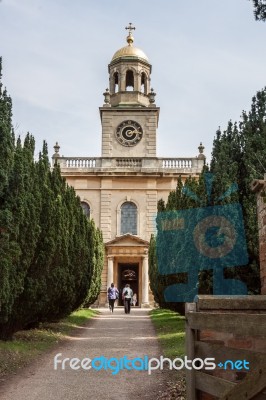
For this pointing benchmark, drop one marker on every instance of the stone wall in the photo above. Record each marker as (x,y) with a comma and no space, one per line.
(259,187)
(262,237)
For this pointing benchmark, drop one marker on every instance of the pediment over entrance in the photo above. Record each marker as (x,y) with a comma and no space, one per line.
(127,240)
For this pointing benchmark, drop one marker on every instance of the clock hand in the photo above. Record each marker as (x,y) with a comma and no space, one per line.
(130,132)
(135,131)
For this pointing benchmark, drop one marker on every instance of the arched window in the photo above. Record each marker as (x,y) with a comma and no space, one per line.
(143,83)
(86,209)
(128,218)
(115,82)
(129,80)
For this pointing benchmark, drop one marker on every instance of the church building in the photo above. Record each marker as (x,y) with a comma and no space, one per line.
(121,188)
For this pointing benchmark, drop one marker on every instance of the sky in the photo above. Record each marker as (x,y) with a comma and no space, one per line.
(208,60)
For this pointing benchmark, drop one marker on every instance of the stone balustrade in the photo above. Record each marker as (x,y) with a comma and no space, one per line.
(128,162)
(79,162)
(176,162)
(149,164)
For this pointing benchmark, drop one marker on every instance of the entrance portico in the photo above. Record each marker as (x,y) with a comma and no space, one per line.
(127,257)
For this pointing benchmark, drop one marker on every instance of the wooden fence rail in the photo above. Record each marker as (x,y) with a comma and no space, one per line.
(227,328)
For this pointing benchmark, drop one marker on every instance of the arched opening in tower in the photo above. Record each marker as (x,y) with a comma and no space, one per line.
(143,87)
(129,80)
(115,78)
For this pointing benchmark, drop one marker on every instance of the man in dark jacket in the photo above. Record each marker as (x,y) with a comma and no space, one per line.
(127,297)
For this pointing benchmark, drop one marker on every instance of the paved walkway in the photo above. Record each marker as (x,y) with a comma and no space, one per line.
(110,335)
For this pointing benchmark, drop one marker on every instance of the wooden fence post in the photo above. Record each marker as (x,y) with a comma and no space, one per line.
(190,353)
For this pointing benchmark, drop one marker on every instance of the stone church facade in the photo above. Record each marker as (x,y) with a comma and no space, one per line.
(120,189)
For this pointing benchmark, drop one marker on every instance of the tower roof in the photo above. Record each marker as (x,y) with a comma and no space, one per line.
(130,51)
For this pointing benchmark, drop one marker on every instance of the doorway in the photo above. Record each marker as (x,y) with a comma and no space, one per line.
(128,273)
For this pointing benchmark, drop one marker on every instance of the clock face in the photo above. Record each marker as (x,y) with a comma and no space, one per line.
(129,133)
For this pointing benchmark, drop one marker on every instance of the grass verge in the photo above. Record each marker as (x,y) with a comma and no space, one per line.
(170,328)
(27,345)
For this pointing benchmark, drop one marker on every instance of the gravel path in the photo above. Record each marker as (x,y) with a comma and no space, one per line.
(109,335)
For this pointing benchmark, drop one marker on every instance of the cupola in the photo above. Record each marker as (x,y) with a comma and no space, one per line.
(129,76)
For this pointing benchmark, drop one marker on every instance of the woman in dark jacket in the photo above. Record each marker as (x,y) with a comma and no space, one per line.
(113,294)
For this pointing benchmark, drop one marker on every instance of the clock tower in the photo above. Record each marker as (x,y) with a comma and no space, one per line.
(129,116)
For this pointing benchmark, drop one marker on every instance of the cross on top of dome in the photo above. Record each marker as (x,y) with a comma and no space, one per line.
(130,38)
(130,27)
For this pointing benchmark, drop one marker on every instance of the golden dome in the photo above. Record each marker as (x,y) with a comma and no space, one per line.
(130,50)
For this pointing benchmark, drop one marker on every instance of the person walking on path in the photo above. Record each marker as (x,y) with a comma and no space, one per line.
(113,294)
(127,296)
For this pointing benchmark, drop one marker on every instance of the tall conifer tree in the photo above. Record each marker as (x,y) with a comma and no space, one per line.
(51,255)
(9,248)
